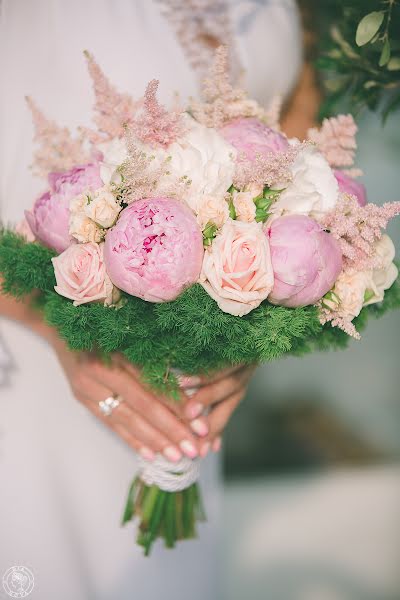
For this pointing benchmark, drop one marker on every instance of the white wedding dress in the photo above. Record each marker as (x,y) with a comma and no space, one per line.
(63,475)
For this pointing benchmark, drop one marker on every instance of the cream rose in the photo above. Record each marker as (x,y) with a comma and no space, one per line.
(382,279)
(350,288)
(212,209)
(83,229)
(313,190)
(244,206)
(237,270)
(81,275)
(102,207)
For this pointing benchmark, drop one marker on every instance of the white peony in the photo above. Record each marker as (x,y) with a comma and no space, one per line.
(313,190)
(202,157)
(114,153)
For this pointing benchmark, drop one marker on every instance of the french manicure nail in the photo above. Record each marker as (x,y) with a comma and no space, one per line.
(194,410)
(199,427)
(188,448)
(216,447)
(147,454)
(204,449)
(172,454)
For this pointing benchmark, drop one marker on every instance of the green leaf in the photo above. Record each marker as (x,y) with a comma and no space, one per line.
(368,27)
(394,64)
(385,54)
(232,210)
(370,84)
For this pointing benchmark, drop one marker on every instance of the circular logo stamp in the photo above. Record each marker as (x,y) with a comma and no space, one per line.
(18,582)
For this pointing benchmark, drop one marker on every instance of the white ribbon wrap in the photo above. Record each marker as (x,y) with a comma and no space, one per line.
(170,477)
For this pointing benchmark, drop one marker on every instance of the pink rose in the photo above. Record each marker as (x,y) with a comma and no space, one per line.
(348,185)
(49,218)
(306,260)
(81,274)
(155,250)
(237,270)
(250,137)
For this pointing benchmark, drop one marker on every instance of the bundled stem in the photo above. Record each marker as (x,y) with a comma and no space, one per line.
(171,516)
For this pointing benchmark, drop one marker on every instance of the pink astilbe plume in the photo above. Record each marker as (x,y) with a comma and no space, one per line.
(358,228)
(113,110)
(265,170)
(57,150)
(156,125)
(222,102)
(336,139)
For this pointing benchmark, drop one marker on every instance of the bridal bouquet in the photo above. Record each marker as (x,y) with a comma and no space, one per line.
(193,239)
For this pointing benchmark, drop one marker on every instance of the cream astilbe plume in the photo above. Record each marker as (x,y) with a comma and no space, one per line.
(113,110)
(266,170)
(336,139)
(56,149)
(337,319)
(143,176)
(155,125)
(223,102)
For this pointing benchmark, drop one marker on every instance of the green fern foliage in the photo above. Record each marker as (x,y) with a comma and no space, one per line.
(191,333)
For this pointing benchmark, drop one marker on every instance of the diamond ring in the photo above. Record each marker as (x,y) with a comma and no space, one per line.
(109,404)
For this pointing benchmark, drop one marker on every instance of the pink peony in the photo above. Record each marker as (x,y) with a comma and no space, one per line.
(252,137)
(49,221)
(68,184)
(23,229)
(155,249)
(348,185)
(306,260)
(81,274)
(49,218)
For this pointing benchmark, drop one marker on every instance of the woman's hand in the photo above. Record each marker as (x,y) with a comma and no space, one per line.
(142,420)
(217,396)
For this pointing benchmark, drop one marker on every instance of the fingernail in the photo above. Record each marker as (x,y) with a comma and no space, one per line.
(147,454)
(199,427)
(204,449)
(216,446)
(188,448)
(186,381)
(194,410)
(172,454)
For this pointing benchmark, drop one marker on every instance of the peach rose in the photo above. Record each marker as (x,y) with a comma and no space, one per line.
(237,270)
(81,275)
(212,209)
(244,206)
